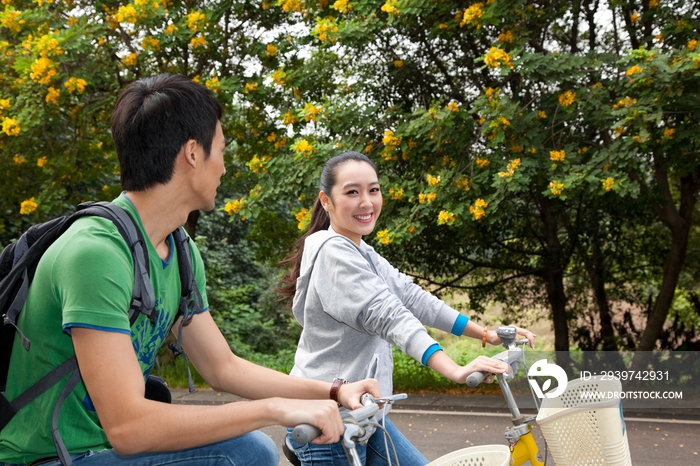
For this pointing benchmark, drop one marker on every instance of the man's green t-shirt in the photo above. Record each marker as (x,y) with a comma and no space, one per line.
(85,279)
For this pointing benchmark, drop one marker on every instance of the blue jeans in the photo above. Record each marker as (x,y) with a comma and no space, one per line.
(372,454)
(254,448)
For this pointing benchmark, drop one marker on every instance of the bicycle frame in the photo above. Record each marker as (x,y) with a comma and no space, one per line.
(522,443)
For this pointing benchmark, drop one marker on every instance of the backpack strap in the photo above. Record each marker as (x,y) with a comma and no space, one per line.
(142,297)
(191,301)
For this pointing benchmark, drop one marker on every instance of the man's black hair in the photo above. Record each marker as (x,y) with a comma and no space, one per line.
(152,120)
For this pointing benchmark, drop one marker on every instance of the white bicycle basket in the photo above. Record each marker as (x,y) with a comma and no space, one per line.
(585,429)
(482,455)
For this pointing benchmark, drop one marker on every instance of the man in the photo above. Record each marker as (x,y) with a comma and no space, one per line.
(171,150)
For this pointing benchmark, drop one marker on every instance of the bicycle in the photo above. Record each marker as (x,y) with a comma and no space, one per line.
(360,424)
(522,446)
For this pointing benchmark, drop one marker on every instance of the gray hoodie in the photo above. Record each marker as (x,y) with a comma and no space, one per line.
(352,305)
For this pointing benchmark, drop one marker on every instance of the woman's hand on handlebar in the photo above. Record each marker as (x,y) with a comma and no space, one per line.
(493,338)
(486,365)
(349,394)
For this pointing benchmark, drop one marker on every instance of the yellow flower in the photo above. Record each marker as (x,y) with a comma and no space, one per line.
(482,163)
(304,147)
(497,58)
(654,3)
(478,210)
(289,118)
(627,102)
(541,115)
(446,218)
(303,218)
(325,29)
(271,50)
(411,229)
(170,29)
(669,132)
(41,161)
(43,70)
(311,111)
(398,63)
(10,126)
(693,44)
(389,139)
(567,98)
(390,7)
(18,159)
(453,106)
(421,198)
(472,14)
(131,59)
(384,236)
(511,167)
(256,165)
(634,17)
(213,84)
(607,184)
(9,21)
(556,187)
(279,77)
(48,45)
(557,155)
(430,197)
(463,183)
(5,104)
(28,206)
(126,14)
(433,180)
(150,42)
(52,96)
(633,70)
(198,42)
(291,5)
(75,85)
(251,87)
(235,206)
(396,194)
(342,6)
(195,21)
(506,36)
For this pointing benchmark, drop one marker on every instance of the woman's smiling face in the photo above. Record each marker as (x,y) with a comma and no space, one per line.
(355,201)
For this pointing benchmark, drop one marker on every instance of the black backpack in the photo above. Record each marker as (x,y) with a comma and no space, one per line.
(18,263)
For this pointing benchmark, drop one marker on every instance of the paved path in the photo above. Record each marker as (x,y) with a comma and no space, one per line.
(439,424)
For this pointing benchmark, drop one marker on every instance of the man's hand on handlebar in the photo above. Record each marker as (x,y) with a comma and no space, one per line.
(350,394)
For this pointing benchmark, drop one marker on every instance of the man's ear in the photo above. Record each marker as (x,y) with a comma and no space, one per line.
(188,151)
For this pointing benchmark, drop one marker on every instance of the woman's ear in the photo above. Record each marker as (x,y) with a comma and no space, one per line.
(325,200)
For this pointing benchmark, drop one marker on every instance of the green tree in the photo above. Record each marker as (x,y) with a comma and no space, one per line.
(62,65)
(518,141)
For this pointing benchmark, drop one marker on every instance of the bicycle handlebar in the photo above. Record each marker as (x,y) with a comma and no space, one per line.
(358,419)
(511,356)
(304,433)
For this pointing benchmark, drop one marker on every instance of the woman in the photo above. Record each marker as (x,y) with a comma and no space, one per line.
(352,305)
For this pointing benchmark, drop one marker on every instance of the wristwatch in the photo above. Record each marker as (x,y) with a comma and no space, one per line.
(335,387)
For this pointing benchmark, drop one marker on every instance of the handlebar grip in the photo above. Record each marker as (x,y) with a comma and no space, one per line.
(304,433)
(475,378)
